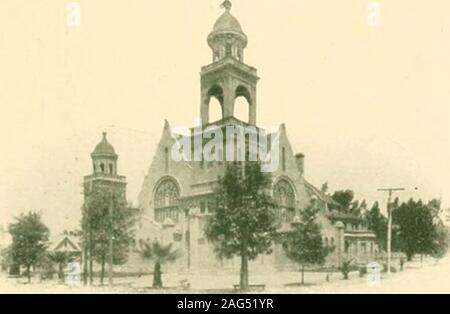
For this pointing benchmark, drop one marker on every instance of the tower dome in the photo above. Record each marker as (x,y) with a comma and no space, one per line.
(104,158)
(104,149)
(227,23)
(227,37)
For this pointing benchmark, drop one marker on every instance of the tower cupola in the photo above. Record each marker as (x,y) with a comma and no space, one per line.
(104,158)
(227,37)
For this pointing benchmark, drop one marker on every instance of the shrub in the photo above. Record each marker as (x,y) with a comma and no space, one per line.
(347,268)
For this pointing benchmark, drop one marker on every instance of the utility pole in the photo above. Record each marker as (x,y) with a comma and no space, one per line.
(389,231)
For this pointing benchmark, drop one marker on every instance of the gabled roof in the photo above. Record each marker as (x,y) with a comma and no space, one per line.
(322,196)
(65,244)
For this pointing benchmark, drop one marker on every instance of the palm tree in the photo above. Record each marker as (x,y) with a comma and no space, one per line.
(159,254)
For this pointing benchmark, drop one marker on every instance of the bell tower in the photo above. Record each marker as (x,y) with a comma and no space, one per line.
(228,77)
(104,172)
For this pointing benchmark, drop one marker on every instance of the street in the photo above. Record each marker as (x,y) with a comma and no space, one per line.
(432,277)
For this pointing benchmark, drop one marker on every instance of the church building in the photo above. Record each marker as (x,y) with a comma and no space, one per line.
(176,196)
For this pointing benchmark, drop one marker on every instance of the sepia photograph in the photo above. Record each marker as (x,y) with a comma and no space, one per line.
(230,148)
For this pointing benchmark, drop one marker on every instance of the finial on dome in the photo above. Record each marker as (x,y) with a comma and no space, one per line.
(104,134)
(227,5)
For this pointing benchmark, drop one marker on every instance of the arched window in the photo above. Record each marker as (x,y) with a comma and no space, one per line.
(166,201)
(102,167)
(215,110)
(242,104)
(240,54)
(216,55)
(111,169)
(228,49)
(215,102)
(284,197)
(241,109)
(326,242)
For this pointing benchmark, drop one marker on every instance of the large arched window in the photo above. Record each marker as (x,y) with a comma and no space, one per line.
(166,202)
(284,197)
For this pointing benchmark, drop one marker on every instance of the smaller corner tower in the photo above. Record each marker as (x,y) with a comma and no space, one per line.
(104,171)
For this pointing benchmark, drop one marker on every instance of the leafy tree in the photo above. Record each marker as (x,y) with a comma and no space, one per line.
(304,244)
(159,254)
(363,206)
(357,208)
(377,222)
(243,223)
(7,262)
(6,258)
(344,198)
(441,241)
(324,188)
(29,240)
(416,230)
(106,215)
(46,267)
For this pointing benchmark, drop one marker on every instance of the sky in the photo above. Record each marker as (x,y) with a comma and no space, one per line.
(368,105)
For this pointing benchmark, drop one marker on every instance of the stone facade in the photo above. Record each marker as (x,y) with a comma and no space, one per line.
(175,198)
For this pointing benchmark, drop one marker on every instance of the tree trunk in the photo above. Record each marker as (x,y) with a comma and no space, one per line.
(91,261)
(85,266)
(303,275)
(29,273)
(60,272)
(157,280)
(102,276)
(244,273)
(421,260)
(91,271)
(409,257)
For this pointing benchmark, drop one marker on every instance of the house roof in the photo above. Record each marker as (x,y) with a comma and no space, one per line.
(66,244)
